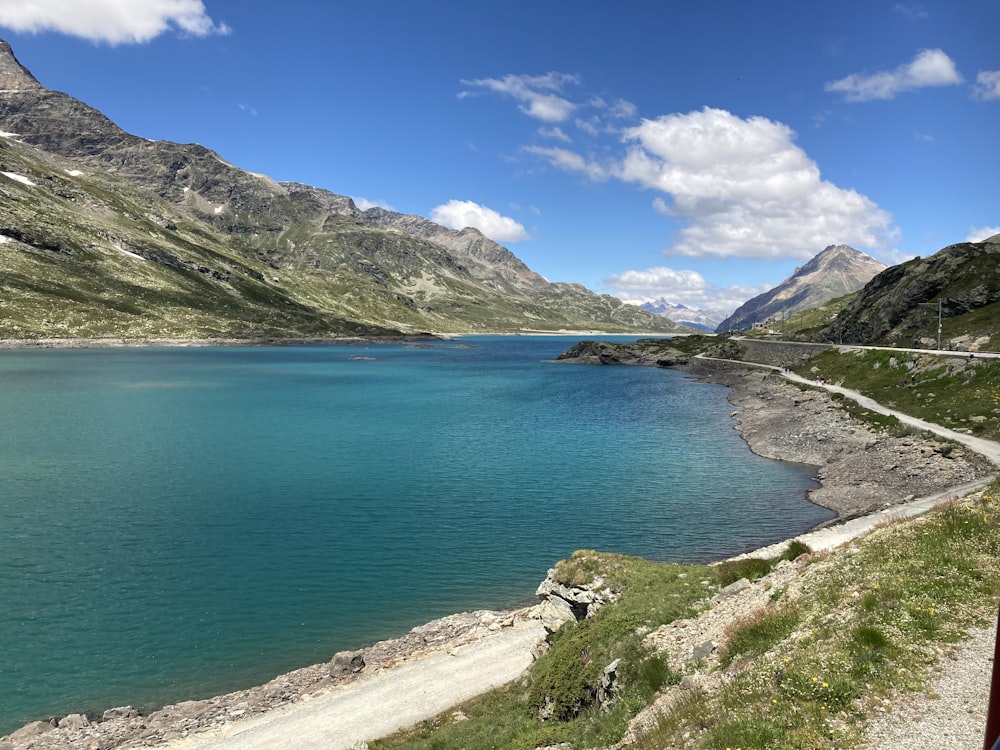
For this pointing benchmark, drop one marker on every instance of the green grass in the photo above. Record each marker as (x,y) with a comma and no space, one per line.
(955,392)
(564,680)
(759,632)
(804,672)
(752,568)
(870,624)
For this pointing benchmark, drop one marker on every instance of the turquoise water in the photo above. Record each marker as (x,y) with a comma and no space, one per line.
(183,522)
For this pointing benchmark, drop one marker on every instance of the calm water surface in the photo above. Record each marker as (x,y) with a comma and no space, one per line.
(183,522)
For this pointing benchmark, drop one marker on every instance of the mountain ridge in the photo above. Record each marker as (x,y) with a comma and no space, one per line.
(835,271)
(302,246)
(951,297)
(702,320)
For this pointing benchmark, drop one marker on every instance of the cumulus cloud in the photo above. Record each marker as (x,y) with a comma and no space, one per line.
(743,188)
(540,96)
(111,21)
(987,85)
(931,67)
(979,234)
(680,287)
(460,214)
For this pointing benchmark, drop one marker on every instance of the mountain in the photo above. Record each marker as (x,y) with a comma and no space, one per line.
(104,233)
(836,271)
(953,295)
(702,320)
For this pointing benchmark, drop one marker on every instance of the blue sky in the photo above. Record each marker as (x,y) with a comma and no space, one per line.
(694,151)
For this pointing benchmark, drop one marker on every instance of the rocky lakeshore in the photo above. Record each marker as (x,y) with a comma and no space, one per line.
(859,471)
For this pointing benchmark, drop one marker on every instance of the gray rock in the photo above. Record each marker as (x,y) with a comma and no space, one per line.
(732,590)
(32,729)
(121,712)
(554,613)
(74,721)
(703,651)
(346,662)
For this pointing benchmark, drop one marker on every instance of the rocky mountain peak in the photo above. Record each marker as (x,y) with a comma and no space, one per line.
(13,75)
(835,271)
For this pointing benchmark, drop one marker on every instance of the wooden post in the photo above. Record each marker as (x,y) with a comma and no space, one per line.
(993,711)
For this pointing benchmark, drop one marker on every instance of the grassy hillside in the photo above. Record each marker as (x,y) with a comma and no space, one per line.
(88,254)
(803,671)
(956,392)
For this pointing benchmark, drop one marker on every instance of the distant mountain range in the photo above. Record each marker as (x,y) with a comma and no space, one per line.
(702,320)
(836,271)
(107,234)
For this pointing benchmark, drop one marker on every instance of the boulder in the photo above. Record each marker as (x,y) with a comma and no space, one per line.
(74,721)
(346,662)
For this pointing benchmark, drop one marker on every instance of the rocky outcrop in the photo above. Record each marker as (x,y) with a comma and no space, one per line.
(563,602)
(904,303)
(836,271)
(644,352)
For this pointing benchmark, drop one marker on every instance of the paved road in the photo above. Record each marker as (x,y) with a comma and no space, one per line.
(381,703)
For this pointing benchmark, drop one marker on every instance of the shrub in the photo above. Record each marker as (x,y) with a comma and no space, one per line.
(752,568)
(760,631)
(795,549)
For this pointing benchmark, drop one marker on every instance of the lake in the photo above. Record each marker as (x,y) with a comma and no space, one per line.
(181,522)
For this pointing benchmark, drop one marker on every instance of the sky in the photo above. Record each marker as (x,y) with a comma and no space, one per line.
(697,152)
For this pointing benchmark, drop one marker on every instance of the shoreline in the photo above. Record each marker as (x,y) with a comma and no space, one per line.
(860,471)
(765,407)
(141,342)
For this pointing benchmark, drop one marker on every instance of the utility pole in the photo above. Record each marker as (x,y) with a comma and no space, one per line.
(939,320)
(939,325)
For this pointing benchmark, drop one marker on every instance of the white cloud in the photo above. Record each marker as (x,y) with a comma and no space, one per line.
(569,161)
(556,133)
(364,204)
(978,234)
(590,126)
(111,21)
(460,214)
(913,12)
(622,109)
(931,67)
(987,85)
(745,189)
(682,287)
(539,95)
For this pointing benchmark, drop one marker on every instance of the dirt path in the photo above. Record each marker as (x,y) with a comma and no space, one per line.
(379,704)
(987,448)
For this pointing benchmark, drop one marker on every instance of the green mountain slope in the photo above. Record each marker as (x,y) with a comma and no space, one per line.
(902,305)
(106,234)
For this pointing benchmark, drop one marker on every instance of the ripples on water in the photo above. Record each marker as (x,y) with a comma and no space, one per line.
(183,522)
